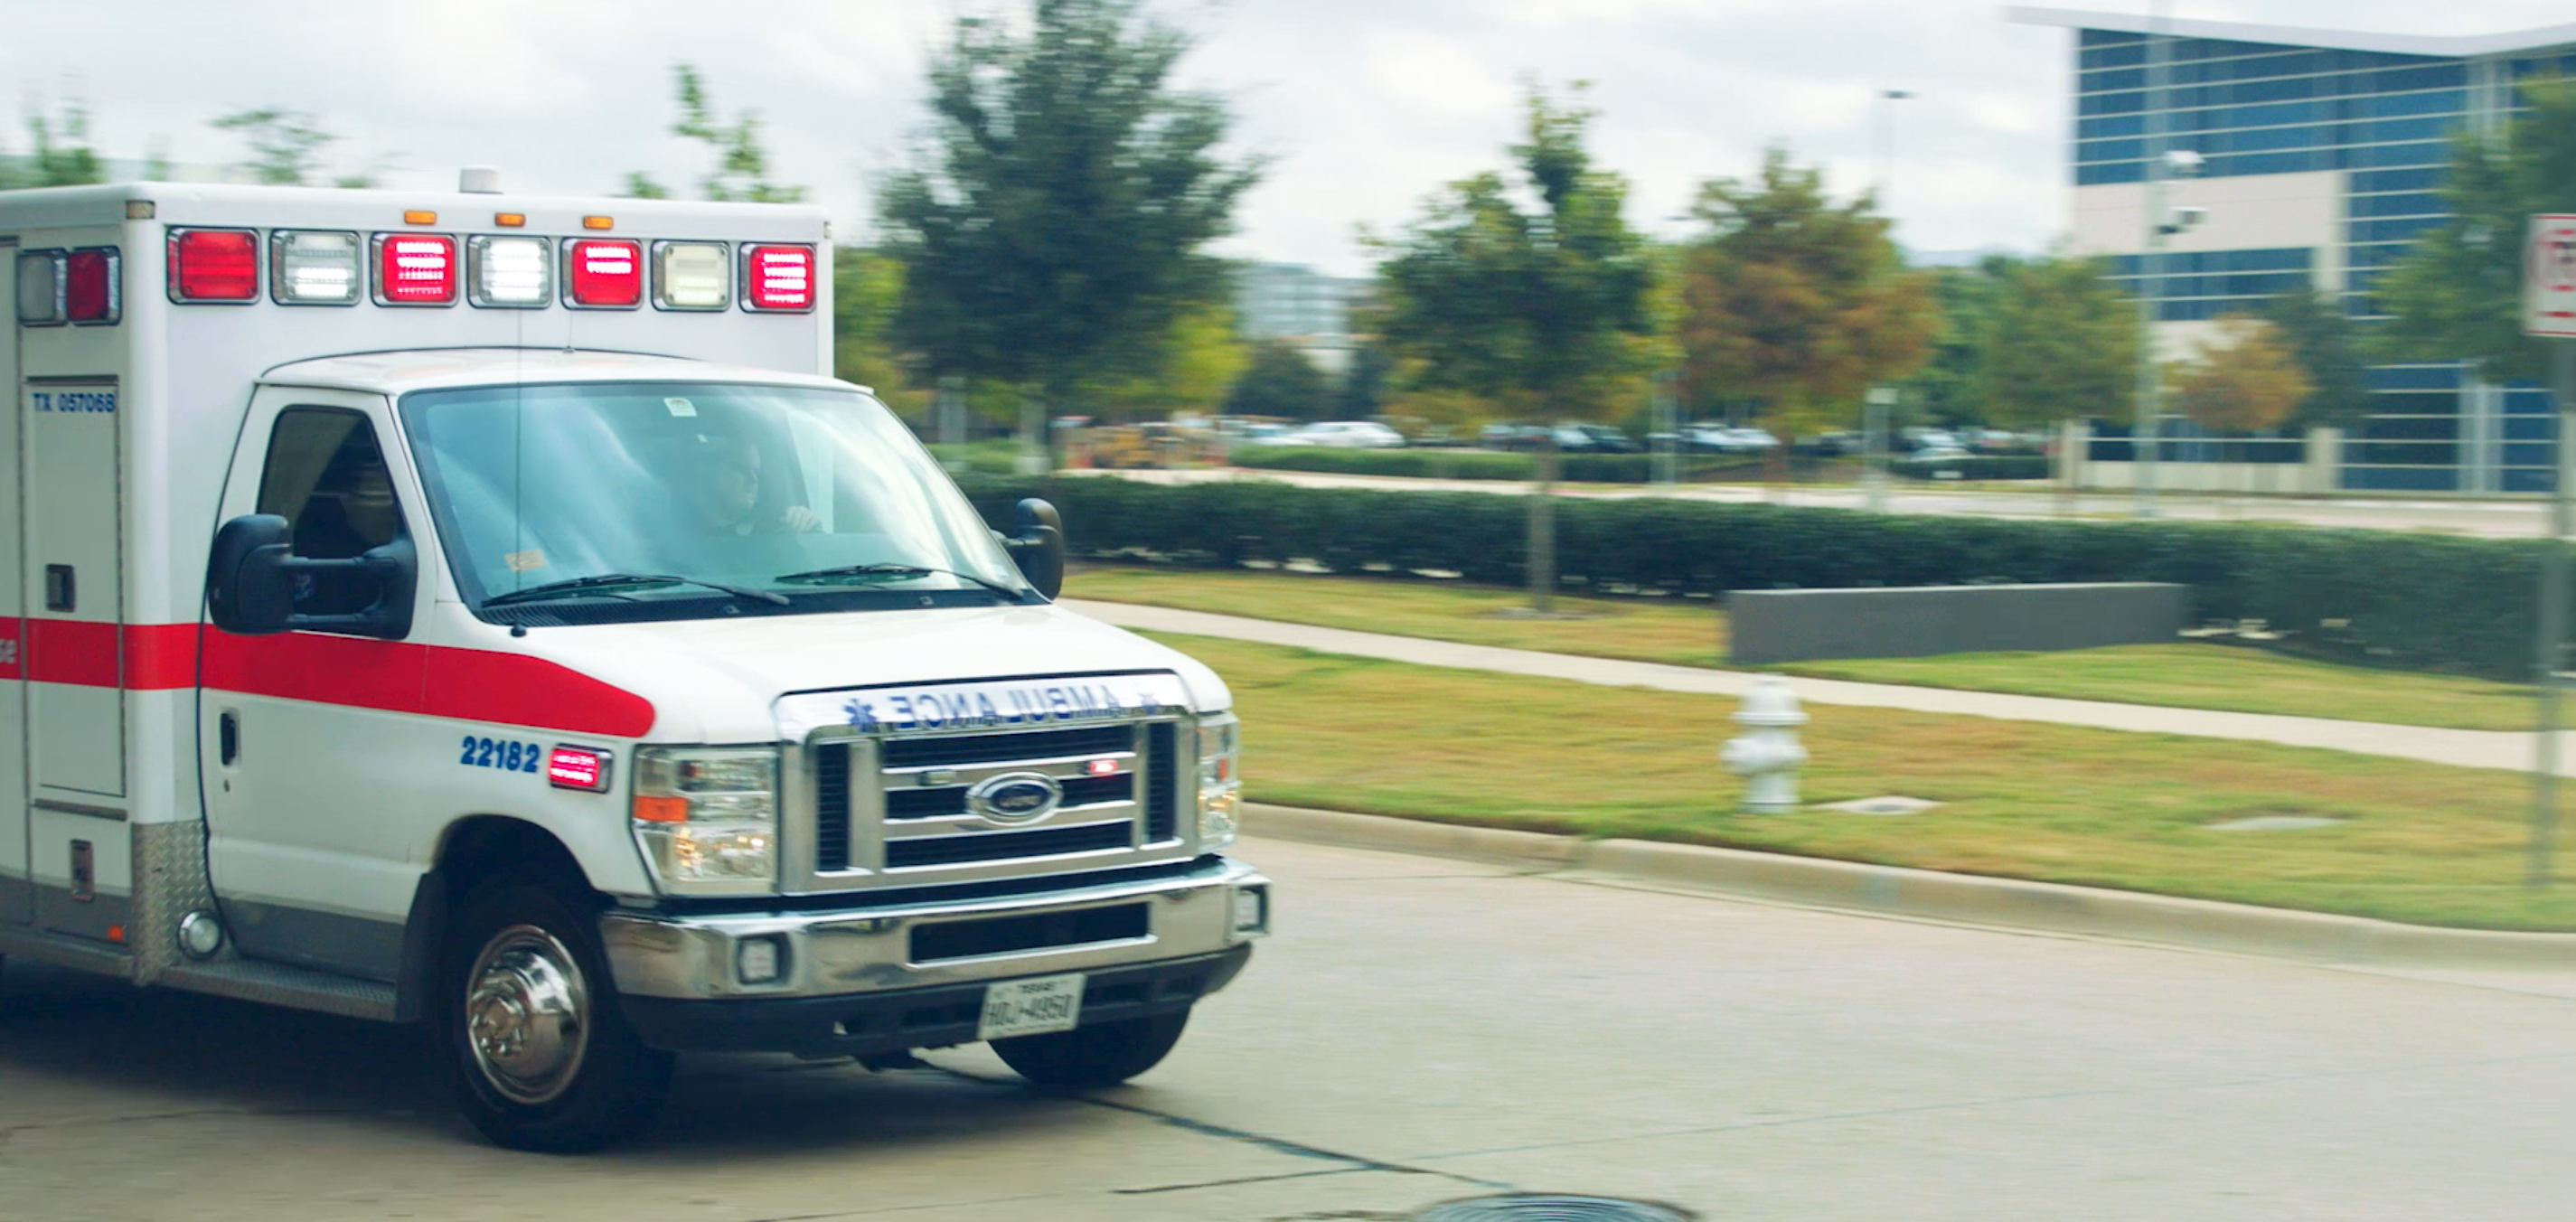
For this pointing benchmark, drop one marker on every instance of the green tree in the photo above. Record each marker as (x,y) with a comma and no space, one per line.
(741,170)
(2060,342)
(2320,334)
(1947,388)
(1364,387)
(867,288)
(1279,382)
(2458,292)
(1198,359)
(286,147)
(1797,301)
(1054,222)
(1550,308)
(2247,379)
(59,153)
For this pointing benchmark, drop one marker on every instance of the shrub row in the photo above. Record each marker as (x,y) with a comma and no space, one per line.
(1465,464)
(1974,466)
(2383,598)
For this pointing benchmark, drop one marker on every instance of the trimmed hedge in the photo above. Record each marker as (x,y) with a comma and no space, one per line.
(2384,598)
(1458,464)
(1974,466)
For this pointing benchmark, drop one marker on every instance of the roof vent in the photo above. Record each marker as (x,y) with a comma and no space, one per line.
(479,180)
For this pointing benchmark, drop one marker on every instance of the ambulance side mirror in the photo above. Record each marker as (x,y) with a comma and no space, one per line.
(251,578)
(1036,544)
(246,589)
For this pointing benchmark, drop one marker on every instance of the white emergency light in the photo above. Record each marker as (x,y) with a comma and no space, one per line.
(509,273)
(40,288)
(313,267)
(691,276)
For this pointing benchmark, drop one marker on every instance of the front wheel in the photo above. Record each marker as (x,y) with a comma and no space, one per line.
(1087,1058)
(543,1058)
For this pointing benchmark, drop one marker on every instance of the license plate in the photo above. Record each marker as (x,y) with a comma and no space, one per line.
(1031,1007)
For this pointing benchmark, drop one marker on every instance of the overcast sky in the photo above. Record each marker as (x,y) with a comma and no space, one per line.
(1364,106)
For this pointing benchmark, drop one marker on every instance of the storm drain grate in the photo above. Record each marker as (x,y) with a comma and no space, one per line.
(1528,1207)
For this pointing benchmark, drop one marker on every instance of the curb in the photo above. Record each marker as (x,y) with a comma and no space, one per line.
(1931,894)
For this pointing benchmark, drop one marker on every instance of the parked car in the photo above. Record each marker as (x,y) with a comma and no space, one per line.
(1510,436)
(1725,439)
(1593,439)
(1348,435)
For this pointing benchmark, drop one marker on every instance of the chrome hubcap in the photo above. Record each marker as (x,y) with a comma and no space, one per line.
(527,1014)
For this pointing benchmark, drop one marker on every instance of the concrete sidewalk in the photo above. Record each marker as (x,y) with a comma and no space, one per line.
(2464,748)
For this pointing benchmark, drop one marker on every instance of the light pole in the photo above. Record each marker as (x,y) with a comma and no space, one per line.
(1873,441)
(2161,163)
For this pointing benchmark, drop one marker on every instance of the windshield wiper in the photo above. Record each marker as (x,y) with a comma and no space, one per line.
(604,582)
(861,572)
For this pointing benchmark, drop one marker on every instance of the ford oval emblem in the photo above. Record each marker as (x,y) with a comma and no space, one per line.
(1014,798)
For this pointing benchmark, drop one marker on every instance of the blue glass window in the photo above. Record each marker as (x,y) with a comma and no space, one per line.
(2420,203)
(2414,377)
(2443,103)
(2113,79)
(2399,180)
(2110,172)
(2115,125)
(2110,150)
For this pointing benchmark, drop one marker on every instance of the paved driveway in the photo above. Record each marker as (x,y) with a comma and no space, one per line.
(1423,1030)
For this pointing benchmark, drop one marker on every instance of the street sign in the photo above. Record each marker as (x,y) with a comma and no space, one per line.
(2549,278)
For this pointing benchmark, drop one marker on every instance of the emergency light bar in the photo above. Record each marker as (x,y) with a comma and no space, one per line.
(691,276)
(313,267)
(214,265)
(603,274)
(415,269)
(510,273)
(493,271)
(778,279)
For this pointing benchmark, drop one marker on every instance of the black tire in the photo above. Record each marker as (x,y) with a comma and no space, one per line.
(1088,1058)
(573,1078)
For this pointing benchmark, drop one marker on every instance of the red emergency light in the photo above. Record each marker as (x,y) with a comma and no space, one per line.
(603,274)
(92,294)
(778,278)
(583,768)
(214,265)
(415,269)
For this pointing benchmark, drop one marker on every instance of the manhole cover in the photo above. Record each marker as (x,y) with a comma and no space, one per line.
(1888,805)
(1527,1207)
(2273,823)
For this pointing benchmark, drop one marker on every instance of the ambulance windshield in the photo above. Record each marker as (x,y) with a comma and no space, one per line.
(597,502)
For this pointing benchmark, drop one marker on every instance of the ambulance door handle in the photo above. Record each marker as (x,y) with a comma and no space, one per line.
(228,737)
(61,593)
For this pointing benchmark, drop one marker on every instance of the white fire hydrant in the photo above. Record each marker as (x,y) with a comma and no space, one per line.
(1767,754)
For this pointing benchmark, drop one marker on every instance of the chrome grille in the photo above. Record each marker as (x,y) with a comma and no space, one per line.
(894,808)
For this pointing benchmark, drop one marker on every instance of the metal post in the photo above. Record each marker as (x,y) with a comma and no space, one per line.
(2144,445)
(1667,416)
(2553,615)
(1873,447)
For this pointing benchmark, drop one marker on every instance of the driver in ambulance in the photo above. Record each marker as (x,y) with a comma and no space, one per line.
(725,490)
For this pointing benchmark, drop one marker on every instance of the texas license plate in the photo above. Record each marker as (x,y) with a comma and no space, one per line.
(1031,1007)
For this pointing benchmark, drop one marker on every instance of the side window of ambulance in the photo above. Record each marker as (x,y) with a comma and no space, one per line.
(327,477)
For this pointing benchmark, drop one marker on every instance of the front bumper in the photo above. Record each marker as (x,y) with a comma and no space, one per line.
(899,1020)
(1214,906)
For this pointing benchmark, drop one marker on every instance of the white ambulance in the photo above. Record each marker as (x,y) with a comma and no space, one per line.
(487,612)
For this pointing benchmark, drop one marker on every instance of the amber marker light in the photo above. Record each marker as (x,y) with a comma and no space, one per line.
(598,222)
(510,220)
(651,809)
(419,216)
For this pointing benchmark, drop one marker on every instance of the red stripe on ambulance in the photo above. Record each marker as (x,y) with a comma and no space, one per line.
(351,672)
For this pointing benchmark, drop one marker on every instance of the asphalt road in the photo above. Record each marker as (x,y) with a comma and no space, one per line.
(2499,518)
(1423,1030)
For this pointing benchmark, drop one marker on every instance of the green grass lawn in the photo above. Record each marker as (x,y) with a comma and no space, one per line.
(1693,633)
(2420,842)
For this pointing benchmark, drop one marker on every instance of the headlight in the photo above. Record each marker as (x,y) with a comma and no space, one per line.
(1220,780)
(707,818)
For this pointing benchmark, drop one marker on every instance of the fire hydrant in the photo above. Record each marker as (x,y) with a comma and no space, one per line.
(1767,754)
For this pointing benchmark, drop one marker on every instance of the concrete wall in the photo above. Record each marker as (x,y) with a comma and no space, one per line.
(1766,626)
(2320,475)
